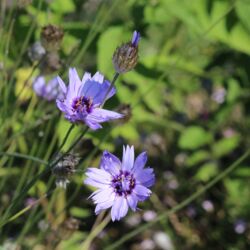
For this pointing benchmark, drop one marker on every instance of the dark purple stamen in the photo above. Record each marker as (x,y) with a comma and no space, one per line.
(124,183)
(82,104)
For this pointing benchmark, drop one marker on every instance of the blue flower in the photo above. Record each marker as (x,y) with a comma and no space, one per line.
(135,39)
(83,99)
(120,184)
(48,91)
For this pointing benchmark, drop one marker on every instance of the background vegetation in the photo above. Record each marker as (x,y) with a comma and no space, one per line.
(189,98)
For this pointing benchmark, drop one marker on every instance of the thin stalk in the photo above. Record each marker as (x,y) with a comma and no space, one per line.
(180,205)
(96,27)
(24,156)
(96,230)
(34,67)
(21,212)
(27,37)
(16,201)
(26,129)
(30,221)
(89,157)
(110,87)
(6,54)
(6,23)
(65,138)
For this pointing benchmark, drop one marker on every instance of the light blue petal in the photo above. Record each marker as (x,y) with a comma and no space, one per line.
(128,158)
(110,163)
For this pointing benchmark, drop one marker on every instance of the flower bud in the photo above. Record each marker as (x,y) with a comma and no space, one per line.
(126,56)
(51,37)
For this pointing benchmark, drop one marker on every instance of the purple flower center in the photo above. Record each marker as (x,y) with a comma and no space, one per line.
(82,104)
(123,183)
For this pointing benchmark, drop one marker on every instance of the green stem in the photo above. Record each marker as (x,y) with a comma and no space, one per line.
(65,138)
(80,170)
(101,19)
(18,214)
(110,87)
(35,179)
(96,230)
(78,140)
(34,67)
(24,156)
(180,205)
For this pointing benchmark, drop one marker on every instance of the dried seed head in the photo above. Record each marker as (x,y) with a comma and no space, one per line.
(36,52)
(71,224)
(126,56)
(64,169)
(51,37)
(66,166)
(126,110)
(50,63)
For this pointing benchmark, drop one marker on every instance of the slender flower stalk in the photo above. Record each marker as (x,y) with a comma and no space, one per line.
(110,87)
(95,231)
(121,184)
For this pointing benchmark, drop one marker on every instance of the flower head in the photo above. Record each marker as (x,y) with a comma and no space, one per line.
(126,56)
(121,184)
(83,98)
(64,169)
(51,37)
(48,91)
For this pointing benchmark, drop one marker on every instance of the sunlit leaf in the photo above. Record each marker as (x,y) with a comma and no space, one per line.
(207,171)
(194,137)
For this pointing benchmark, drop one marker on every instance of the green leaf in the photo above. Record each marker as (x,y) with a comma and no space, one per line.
(79,212)
(194,137)
(236,191)
(243,10)
(107,43)
(207,171)
(156,15)
(127,131)
(225,146)
(234,90)
(197,157)
(242,171)
(66,7)
(69,43)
